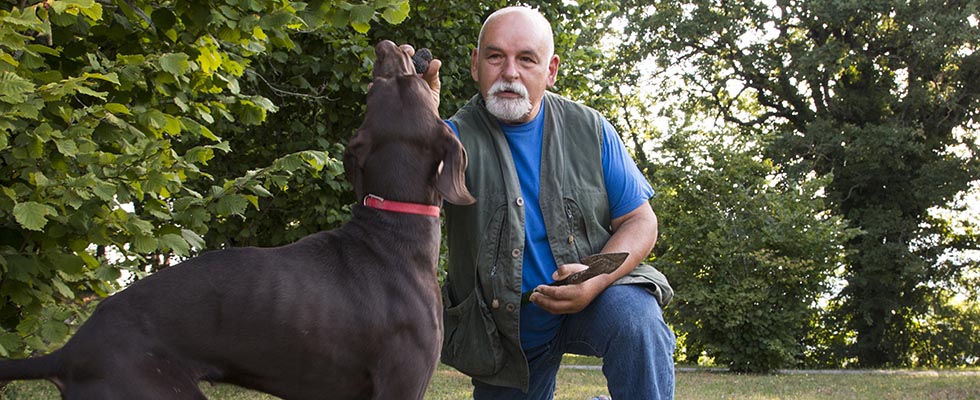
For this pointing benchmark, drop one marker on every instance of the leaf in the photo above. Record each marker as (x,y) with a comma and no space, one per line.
(163,18)
(103,189)
(316,159)
(23,269)
(139,226)
(193,238)
(89,260)
(54,331)
(13,88)
(276,20)
(172,126)
(23,19)
(144,244)
(65,262)
(265,103)
(32,215)
(174,63)
(154,119)
(251,113)
(67,147)
(9,342)
(231,204)
(209,58)
(396,13)
(117,108)
(89,8)
(175,243)
(259,190)
(7,58)
(199,155)
(107,273)
(360,17)
(110,77)
(62,289)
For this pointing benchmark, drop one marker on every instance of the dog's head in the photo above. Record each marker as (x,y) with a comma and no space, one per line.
(403,151)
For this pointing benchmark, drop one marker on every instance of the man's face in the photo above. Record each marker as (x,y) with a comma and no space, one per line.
(514,65)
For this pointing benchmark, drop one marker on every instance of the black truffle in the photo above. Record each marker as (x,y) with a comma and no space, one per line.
(421,60)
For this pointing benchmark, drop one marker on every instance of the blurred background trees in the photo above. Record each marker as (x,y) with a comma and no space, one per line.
(814,161)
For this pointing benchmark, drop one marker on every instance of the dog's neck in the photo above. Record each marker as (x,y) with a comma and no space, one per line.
(380,203)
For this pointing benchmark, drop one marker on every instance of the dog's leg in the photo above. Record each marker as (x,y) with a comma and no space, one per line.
(407,375)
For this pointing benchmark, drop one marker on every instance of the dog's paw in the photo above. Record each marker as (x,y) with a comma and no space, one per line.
(421,60)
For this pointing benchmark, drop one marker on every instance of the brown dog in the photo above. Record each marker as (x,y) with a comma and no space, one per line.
(353,313)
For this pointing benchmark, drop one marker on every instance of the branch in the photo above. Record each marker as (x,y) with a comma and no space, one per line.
(283,92)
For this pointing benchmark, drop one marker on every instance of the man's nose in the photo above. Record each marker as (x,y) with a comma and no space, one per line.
(510,70)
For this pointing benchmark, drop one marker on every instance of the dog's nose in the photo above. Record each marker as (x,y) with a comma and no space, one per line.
(391,61)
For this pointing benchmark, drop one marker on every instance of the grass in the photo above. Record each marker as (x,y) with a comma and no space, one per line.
(583,384)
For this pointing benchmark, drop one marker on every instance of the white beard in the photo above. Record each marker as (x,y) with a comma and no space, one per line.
(508,110)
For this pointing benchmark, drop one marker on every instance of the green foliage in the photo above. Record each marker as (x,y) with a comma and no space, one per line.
(873,95)
(112,116)
(319,88)
(744,250)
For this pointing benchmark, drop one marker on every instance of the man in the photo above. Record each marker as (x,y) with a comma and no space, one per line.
(554,183)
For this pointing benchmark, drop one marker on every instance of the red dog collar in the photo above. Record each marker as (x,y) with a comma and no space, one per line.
(400,207)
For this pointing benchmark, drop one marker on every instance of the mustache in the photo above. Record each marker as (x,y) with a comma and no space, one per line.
(501,86)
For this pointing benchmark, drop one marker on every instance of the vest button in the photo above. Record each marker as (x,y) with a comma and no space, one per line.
(520,202)
(571,239)
(516,253)
(511,307)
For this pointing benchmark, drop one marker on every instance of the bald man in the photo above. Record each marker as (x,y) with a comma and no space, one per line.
(554,184)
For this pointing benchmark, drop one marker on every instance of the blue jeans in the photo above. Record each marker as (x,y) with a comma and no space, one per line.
(625,326)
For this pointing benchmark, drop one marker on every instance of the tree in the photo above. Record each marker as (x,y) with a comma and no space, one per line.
(880,97)
(745,251)
(112,113)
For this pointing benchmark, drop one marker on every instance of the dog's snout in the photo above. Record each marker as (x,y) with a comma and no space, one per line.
(391,61)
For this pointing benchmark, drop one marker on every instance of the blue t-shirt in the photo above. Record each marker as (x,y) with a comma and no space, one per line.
(626,188)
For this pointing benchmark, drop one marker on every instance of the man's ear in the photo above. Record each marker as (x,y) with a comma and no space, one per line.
(474,65)
(553,70)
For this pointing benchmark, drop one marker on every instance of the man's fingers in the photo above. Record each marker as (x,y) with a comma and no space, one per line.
(431,76)
(553,292)
(565,270)
(555,300)
(408,49)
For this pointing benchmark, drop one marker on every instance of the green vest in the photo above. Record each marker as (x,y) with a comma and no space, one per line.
(482,291)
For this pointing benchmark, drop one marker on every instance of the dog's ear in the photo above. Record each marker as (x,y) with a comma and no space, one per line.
(451,179)
(354,156)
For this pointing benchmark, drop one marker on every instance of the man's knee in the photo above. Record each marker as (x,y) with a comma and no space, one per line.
(632,314)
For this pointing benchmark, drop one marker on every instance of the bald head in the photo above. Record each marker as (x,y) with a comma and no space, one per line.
(531,19)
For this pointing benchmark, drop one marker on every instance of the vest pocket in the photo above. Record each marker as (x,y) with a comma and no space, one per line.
(471,343)
(579,238)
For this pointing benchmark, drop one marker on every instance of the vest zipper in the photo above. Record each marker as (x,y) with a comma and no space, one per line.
(571,228)
(495,302)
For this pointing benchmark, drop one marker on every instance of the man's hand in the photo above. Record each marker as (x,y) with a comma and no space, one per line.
(431,75)
(568,299)
(633,233)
